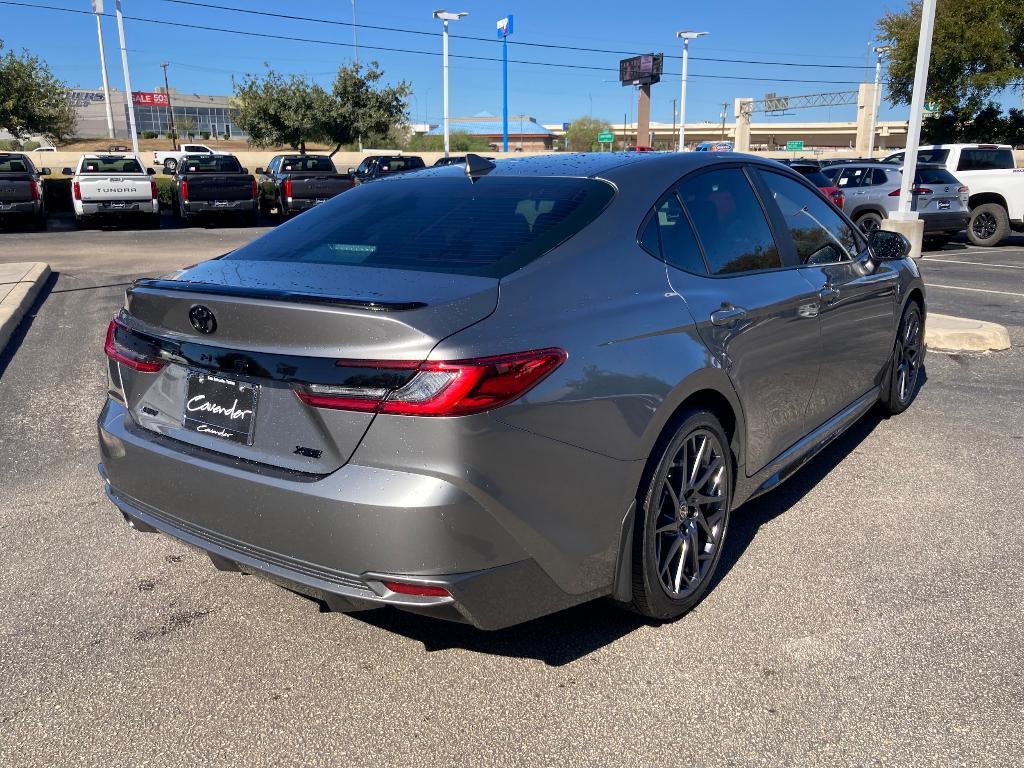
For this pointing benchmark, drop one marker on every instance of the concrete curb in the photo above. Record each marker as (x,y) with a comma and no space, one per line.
(19,300)
(960,334)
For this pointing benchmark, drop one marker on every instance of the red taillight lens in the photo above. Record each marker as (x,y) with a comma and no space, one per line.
(913,191)
(76,189)
(153,190)
(184,189)
(287,187)
(255,188)
(122,354)
(964,190)
(444,388)
(838,198)
(35,188)
(423,590)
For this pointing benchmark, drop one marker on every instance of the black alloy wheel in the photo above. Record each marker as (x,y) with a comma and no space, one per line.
(984,225)
(907,357)
(682,519)
(869,222)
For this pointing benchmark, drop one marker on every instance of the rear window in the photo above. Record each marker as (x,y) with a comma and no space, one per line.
(814,175)
(11,164)
(488,228)
(212,164)
(934,176)
(396,164)
(985,160)
(930,156)
(111,165)
(307,163)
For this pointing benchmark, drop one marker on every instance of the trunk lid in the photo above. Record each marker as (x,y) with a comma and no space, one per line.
(312,186)
(219,186)
(106,188)
(279,326)
(15,188)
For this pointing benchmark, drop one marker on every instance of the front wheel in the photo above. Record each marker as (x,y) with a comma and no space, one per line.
(905,366)
(869,222)
(682,518)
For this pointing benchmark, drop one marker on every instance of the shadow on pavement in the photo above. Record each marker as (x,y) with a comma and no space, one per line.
(7,353)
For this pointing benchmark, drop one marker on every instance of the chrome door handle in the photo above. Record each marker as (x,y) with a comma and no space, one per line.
(828,294)
(727,316)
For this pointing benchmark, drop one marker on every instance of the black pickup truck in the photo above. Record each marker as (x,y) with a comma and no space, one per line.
(21,190)
(378,166)
(214,185)
(295,183)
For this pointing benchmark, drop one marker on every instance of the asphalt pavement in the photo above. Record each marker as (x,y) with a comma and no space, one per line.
(869,611)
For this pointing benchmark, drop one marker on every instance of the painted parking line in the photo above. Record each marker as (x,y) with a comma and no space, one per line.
(977,251)
(973,290)
(976,263)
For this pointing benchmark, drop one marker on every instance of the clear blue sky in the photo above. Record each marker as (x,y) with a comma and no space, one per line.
(801,32)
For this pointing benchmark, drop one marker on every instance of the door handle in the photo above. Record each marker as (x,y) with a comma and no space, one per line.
(727,316)
(828,294)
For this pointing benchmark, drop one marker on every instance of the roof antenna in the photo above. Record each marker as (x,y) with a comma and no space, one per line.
(477,166)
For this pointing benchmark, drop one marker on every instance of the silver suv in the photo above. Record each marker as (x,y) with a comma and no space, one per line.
(873,192)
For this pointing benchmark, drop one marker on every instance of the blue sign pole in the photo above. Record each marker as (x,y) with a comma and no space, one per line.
(504,30)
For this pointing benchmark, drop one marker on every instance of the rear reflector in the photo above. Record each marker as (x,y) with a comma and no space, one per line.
(76,188)
(34,185)
(422,590)
(184,190)
(454,388)
(122,354)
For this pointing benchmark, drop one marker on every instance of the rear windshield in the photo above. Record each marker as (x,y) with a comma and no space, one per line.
(212,164)
(985,160)
(934,176)
(396,164)
(813,175)
(931,156)
(488,228)
(111,165)
(307,163)
(13,164)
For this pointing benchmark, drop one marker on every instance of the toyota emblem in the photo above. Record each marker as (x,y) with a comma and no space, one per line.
(202,319)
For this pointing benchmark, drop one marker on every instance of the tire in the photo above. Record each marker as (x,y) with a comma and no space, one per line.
(676,523)
(170,164)
(869,222)
(906,363)
(39,223)
(250,219)
(989,225)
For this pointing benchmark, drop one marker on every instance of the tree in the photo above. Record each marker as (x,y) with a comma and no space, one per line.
(363,109)
(276,110)
(581,135)
(186,126)
(458,141)
(32,99)
(977,51)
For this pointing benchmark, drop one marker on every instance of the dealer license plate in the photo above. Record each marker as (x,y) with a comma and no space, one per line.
(220,407)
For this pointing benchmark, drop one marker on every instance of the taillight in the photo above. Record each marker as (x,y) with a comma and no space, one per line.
(115,350)
(35,188)
(454,388)
(184,189)
(964,190)
(838,198)
(287,187)
(76,189)
(255,188)
(423,590)
(913,191)
(153,190)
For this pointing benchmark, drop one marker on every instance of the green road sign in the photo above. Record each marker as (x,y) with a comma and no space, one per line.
(605,137)
(795,146)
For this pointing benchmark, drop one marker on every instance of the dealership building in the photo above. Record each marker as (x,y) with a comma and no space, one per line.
(211,114)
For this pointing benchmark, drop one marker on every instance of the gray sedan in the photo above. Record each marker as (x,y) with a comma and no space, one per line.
(486,393)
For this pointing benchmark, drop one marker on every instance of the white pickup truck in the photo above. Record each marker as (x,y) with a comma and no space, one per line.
(113,186)
(170,160)
(996,186)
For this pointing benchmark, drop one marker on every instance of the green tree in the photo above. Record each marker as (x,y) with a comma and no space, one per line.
(186,126)
(977,51)
(582,133)
(361,107)
(32,99)
(275,110)
(458,141)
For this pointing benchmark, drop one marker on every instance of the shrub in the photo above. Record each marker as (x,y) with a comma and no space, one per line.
(149,134)
(226,135)
(205,135)
(164,191)
(10,144)
(28,146)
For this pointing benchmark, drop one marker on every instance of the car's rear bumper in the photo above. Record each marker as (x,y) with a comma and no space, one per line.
(130,208)
(337,537)
(27,208)
(228,206)
(944,221)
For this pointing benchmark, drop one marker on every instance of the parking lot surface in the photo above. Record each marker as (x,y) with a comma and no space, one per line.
(869,611)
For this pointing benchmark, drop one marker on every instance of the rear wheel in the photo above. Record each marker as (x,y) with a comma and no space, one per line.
(989,225)
(170,164)
(682,517)
(869,222)
(905,367)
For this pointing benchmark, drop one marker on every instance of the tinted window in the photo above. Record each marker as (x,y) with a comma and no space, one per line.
(678,244)
(831,172)
(982,159)
(649,237)
(212,164)
(111,165)
(12,164)
(938,156)
(851,177)
(729,221)
(819,233)
(878,177)
(364,167)
(816,177)
(308,163)
(489,228)
(935,176)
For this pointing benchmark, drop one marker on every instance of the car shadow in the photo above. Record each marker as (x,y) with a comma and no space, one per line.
(14,342)
(569,635)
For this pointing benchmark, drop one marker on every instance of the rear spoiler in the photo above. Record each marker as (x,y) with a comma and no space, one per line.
(274,294)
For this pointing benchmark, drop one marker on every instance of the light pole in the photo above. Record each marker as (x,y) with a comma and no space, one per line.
(445,17)
(686,36)
(504,30)
(355,49)
(170,109)
(127,79)
(879,51)
(97,9)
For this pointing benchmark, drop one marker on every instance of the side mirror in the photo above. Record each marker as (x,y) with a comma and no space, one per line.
(351,171)
(246,170)
(67,171)
(259,171)
(151,171)
(889,246)
(44,171)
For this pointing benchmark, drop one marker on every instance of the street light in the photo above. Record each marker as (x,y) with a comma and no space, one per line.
(445,17)
(686,36)
(879,52)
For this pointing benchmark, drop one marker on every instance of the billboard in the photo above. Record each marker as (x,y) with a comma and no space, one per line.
(150,99)
(641,70)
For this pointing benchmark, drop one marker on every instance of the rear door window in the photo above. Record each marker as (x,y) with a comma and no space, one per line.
(983,160)
(850,177)
(669,236)
(439,224)
(818,231)
(730,222)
